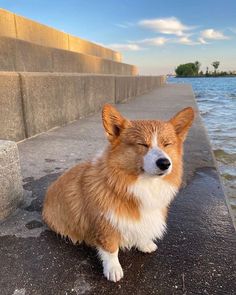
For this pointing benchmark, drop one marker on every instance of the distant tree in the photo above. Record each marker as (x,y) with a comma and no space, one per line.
(215,65)
(193,70)
(188,69)
(197,66)
(224,73)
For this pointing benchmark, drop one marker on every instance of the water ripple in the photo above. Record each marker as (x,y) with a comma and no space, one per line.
(216,99)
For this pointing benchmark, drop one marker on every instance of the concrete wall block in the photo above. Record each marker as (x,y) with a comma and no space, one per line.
(150,83)
(79,45)
(131,90)
(141,85)
(15,26)
(32,58)
(99,89)
(31,31)
(7,24)
(50,100)
(32,103)
(121,89)
(11,191)
(117,56)
(69,62)
(7,54)
(131,86)
(11,118)
(18,55)
(147,83)
(116,68)
(138,89)
(82,46)
(23,56)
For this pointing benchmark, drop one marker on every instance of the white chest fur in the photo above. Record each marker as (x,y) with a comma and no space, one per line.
(154,194)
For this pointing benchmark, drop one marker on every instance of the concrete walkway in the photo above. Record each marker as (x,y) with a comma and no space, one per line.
(195,256)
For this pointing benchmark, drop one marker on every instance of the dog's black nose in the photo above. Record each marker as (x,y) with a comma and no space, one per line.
(163,163)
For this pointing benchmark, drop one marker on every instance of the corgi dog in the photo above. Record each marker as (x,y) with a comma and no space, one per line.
(120,199)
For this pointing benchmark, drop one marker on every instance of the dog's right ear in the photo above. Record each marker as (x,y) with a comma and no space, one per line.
(182,121)
(113,122)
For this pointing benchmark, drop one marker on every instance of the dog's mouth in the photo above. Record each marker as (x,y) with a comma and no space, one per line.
(156,174)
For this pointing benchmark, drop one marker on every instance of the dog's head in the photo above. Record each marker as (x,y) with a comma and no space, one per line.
(152,147)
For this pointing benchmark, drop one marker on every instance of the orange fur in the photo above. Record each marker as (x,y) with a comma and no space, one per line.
(77,202)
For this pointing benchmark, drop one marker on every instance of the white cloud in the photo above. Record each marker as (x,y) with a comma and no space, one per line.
(123,26)
(202,41)
(170,25)
(181,34)
(125,47)
(213,35)
(186,41)
(158,41)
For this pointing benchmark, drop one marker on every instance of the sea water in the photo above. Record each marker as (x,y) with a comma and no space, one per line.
(216,98)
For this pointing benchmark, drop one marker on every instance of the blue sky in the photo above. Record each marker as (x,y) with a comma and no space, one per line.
(154,35)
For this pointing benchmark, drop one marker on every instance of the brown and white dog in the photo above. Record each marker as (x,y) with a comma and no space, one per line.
(120,199)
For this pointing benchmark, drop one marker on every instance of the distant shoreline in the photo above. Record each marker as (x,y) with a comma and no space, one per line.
(227,76)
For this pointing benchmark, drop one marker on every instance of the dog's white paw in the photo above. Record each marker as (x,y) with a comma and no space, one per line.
(148,248)
(113,272)
(112,269)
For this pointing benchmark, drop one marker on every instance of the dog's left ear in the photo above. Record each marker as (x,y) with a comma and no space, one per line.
(182,121)
(113,122)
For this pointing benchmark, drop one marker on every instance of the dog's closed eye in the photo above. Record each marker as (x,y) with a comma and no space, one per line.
(167,144)
(143,144)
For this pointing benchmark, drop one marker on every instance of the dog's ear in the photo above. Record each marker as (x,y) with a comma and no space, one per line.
(113,122)
(182,121)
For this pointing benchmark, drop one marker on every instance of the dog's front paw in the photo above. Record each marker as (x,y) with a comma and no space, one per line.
(148,248)
(113,272)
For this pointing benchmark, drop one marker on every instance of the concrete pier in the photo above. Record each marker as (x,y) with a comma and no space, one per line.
(196,255)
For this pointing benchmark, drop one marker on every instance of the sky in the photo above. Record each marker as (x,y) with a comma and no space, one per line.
(155,35)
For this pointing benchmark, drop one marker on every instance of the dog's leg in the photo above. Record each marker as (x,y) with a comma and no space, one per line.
(148,247)
(112,269)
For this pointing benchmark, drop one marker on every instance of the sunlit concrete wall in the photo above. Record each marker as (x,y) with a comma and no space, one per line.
(15,26)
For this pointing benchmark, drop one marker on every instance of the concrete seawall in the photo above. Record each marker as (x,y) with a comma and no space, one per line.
(32,103)
(12,117)
(21,56)
(15,26)
(196,254)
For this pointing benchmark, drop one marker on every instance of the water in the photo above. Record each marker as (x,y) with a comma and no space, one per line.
(216,98)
